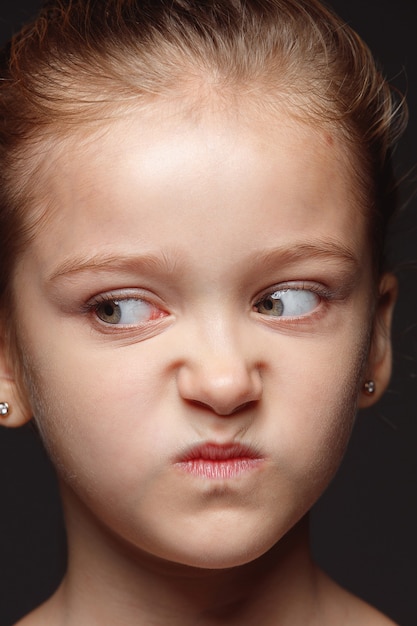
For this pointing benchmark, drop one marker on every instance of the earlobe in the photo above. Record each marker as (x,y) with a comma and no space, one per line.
(379,365)
(14,411)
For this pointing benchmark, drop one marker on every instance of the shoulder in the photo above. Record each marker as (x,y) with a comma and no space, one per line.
(342,607)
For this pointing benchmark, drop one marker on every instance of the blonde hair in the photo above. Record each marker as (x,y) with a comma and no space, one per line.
(82,59)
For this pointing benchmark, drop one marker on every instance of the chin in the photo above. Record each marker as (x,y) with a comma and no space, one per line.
(217,555)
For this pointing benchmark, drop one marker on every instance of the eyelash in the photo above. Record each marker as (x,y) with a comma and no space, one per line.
(94,303)
(324,294)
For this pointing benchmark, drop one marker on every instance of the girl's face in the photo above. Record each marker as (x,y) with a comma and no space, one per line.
(195,317)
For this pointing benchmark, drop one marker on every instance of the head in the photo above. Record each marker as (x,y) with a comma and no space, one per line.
(272,79)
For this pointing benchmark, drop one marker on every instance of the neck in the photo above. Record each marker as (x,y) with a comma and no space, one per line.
(110,582)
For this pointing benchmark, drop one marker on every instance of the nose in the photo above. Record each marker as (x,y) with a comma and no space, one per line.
(220,375)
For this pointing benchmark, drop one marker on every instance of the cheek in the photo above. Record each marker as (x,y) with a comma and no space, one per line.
(107,446)
(88,409)
(315,404)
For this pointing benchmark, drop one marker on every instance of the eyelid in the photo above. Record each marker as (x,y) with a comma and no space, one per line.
(125,295)
(304,285)
(323,293)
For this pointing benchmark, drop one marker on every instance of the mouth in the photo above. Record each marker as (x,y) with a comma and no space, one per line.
(219,461)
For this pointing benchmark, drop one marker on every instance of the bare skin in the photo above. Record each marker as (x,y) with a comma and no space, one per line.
(191,272)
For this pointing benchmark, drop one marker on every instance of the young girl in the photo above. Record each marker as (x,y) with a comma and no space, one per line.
(194,301)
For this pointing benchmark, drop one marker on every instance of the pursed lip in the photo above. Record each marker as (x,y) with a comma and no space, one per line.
(212,460)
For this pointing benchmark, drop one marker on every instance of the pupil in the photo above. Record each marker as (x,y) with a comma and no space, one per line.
(268,304)
(108,309)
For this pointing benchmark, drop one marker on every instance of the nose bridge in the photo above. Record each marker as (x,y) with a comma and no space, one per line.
(219,370)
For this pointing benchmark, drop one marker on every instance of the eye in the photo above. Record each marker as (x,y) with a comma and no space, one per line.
(288,303)
(126,312)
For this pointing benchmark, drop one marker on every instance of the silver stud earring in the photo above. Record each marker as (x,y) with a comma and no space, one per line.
(369,387)
(4,409)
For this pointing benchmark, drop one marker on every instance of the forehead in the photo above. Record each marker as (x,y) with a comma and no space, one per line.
(177,169)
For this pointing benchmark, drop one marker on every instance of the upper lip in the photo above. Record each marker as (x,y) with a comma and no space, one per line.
(219,452)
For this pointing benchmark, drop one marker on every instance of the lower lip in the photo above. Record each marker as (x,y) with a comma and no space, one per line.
(221,469)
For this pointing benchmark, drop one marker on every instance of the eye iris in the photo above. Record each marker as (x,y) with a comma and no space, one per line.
(109,312)
(272,305)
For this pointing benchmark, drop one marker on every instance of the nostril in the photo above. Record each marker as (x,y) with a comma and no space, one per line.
(222,411)
(243,406)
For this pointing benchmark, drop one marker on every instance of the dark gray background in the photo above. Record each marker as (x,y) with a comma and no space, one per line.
(364,527)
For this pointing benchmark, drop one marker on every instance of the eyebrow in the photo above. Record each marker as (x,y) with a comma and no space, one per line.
(167,263)
(115,262)
(302,251)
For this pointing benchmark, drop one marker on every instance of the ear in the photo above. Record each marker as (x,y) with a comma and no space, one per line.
(18,412)
(379,364)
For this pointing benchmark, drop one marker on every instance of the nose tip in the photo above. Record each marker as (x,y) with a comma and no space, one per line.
(226,389)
